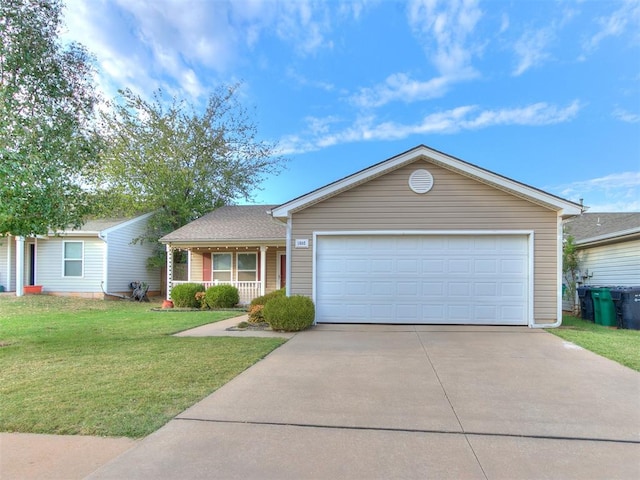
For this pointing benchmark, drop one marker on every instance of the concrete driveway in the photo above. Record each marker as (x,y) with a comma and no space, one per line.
(364,402)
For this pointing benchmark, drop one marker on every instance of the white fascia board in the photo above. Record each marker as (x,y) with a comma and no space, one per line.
(565,207)
(252,242)
(609,236)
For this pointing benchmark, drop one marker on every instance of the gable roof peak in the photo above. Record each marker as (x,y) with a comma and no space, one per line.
(565,208)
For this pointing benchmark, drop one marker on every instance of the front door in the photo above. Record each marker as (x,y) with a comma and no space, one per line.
(282,270)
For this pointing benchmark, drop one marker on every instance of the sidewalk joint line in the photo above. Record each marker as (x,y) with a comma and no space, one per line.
(446,395)
(410,430)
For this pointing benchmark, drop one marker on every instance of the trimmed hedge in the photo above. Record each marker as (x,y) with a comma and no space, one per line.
(257,305)
(222,296)
(184,295)
(265,298)
(289,314)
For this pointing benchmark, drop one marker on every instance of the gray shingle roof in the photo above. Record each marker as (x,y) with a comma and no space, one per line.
(591,225)
(231,223)
(100,224)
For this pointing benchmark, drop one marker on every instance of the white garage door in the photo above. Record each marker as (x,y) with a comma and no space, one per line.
(439,279)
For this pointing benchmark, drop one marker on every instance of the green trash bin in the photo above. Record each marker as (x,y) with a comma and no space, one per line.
(603,307)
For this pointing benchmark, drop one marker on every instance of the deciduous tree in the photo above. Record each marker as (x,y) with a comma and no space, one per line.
(47,142)
(166,156)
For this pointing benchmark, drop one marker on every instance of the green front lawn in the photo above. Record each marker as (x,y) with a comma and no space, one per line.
(622,346)
(91,367)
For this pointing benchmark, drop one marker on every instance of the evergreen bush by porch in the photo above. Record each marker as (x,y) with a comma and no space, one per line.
(289,314)
(184,295)
(222,296)
(262,300)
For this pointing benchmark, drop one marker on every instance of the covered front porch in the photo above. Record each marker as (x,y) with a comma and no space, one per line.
(253,269)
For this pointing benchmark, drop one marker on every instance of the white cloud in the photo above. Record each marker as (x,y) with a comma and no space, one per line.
(531,49)
(625,116)
(400,86)
(616,192)
(626,18)
(307,82)
(444,27)
(148,44)
(504,23)
(467,117)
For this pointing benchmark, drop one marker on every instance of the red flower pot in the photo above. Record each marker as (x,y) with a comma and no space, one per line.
(32,289)
(167,304)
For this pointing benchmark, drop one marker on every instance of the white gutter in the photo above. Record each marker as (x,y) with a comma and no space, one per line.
(608,236)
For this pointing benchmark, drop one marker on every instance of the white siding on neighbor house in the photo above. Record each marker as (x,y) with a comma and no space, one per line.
(615,264)
(127,261)
(5,251)
(49,265)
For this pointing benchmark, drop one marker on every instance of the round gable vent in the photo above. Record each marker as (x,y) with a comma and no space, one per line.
(421,181)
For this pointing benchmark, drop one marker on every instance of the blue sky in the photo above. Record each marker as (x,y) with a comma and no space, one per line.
(544,92)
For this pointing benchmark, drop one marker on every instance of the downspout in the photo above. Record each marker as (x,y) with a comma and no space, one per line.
(289,252)
(558,321)
(104,284)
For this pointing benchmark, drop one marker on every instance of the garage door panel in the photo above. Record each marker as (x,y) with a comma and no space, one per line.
(422,279)
(432,289)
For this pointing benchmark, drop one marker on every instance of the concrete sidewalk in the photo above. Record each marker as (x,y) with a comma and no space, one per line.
(362,402)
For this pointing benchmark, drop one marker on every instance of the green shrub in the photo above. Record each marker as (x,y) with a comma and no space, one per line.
(184,295)
(290,314)
(265,298)
(222,296)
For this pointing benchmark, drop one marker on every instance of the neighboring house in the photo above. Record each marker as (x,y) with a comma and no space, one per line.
(241,245)
(609,246)
(98,257)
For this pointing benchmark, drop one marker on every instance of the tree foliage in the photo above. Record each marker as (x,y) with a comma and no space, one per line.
(165,156)
(570,266)
(47,143)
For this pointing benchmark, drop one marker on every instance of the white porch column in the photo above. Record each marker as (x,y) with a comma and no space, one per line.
(263,269)
(19,266)
(289,254)
(9,261)
(169,269)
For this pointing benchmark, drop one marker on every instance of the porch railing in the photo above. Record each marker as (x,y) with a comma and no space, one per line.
(247,290)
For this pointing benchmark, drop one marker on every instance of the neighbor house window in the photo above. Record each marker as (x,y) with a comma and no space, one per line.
(72,253)
(247,267)
(221,267)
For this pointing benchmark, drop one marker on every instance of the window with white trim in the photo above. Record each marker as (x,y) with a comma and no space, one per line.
(247,267)
(221,267)
(72,259)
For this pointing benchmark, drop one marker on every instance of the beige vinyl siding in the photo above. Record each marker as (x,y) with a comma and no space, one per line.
(195,266)
(272,258)
(127,261)
(49,266)
(615,264)
(454,203)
